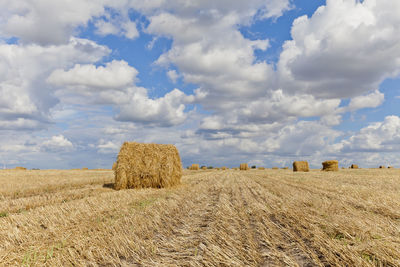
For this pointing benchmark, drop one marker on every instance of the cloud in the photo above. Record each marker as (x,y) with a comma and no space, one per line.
(114,75)
(346,49)
(25,96)
(121,27)
(372,100)
(48,22)
(377,137)
(57,143)
(173,75)
(107,147)
(165,111)
(114,85)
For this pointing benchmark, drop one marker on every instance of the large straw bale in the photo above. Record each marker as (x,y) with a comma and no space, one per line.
(147,165)
(330,165)
(195,167)
(223,168)
(244,166)
(300,166)
(20,168)
(354,166)
(204,168)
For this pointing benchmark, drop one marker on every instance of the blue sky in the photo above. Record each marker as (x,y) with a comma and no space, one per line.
(261,81)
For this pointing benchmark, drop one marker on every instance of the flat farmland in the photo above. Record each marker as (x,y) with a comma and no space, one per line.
(214,218)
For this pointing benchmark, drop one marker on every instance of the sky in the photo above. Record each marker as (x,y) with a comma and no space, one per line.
(265,82)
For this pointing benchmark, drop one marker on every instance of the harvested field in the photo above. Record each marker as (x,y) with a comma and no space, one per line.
(226,218)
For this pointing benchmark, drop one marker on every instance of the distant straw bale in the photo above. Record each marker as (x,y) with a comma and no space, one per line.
(20,168)
(147,165)
(85,169)
(244,166)
(223,168)
(382,167)
(261,168)
(204,168)
(275,168)
(390,167)
(195,167)
(354,166)
(330,165)
(300,166)
(285,168)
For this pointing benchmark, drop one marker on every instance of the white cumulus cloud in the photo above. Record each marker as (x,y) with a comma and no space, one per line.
(114,75)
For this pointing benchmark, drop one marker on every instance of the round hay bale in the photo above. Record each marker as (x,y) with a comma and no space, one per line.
(261,168)
(204,168)
(300,166)
(275,168)
(195,167)
(330,165)
(20,168)
(85,169)
(382,167)
(223,168)
(244,166)
(147,165)
(354,166)
(285,168)
(390,167)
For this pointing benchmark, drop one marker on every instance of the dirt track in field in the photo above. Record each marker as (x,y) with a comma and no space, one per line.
(214,218)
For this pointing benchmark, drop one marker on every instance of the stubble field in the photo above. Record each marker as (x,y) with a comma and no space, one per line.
(214,218)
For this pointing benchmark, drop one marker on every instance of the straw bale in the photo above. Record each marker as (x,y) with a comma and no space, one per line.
(195,167)
(330,165)
(354,166)
(147,165)
(20,168)
(261,168)
(85,169)
(300,166)
(382,167)
(285,168)
(244,166)
(223,168)
(275,168)
(390,167)
(204,168)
